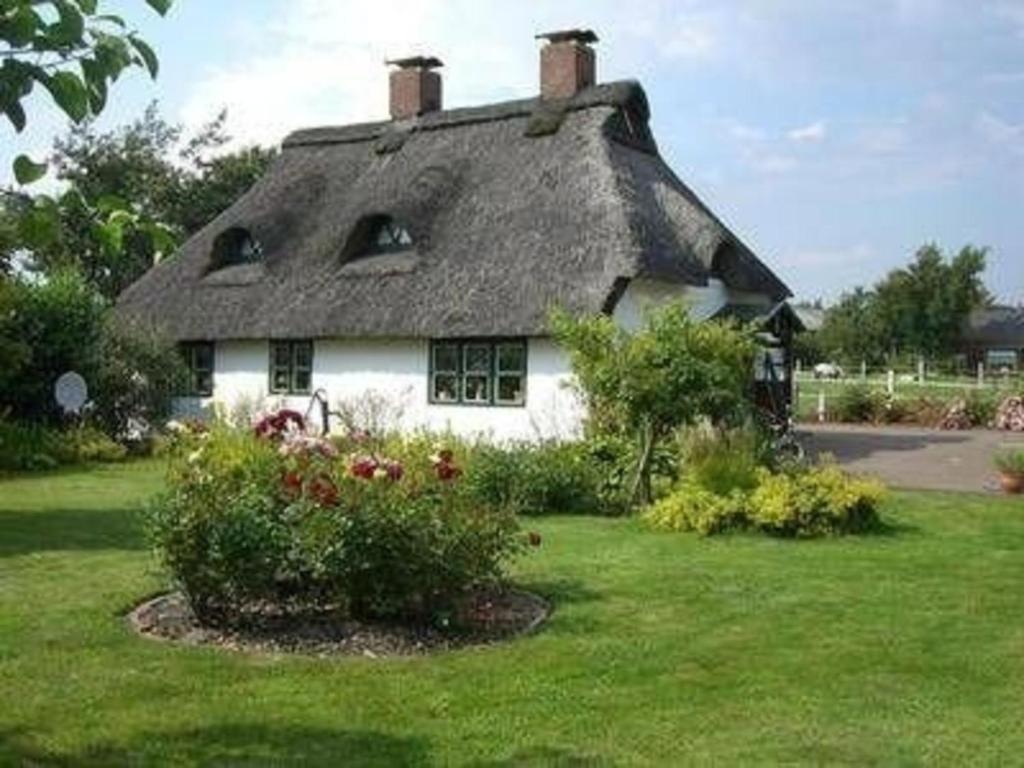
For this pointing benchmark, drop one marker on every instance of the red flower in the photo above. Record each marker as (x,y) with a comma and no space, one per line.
(274,425)
(324,491)
(292,482)
(394,470)
(363,467)
(447,471)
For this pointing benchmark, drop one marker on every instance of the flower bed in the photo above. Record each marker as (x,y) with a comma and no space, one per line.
(274,518)
(725,484)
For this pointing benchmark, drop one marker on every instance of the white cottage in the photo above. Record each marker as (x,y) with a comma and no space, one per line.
(419,257)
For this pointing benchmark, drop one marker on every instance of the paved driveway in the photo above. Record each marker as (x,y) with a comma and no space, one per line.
(912,457)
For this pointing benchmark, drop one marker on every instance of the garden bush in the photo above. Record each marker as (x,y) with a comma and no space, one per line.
(28,447)
(813,502)
(855,403)
(288,520)
(535,479)
(723,461)
(798,502)
(981,407)
(35,447)
(693,507)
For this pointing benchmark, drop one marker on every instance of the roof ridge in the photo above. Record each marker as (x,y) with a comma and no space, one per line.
(615,93)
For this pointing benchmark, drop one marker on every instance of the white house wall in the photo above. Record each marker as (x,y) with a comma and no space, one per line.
(396,371)
(703,301)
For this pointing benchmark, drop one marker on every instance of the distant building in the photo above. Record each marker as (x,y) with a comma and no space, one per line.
(995,337)
(812,318)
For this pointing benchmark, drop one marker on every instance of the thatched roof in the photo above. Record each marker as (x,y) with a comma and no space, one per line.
(513,208)
(996,327)
(765,317)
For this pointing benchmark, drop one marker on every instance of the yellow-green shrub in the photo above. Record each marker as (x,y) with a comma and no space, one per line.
(804,502)
(814,502)
(691,507)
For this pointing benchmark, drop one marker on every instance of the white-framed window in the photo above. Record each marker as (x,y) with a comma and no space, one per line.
(478,372)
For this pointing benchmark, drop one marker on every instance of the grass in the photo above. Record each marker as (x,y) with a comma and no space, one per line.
(665,649)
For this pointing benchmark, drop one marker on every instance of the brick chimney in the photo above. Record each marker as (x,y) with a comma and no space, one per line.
(567,63)
(415,87)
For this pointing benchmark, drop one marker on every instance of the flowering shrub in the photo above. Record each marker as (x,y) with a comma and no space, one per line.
(277,425)
(273,516)
(815,502)
(692,507)
(801,502)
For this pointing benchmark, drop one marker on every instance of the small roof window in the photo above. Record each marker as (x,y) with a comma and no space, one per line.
(386,236)
(377,235)
(236,246)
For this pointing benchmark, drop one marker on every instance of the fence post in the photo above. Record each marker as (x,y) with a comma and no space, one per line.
(981,374)
(821,405)
(920,370)
(890,382)
(863,370)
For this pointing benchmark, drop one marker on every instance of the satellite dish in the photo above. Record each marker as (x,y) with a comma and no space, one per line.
(71,392)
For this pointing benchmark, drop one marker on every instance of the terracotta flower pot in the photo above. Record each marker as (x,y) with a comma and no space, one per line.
(1011,482)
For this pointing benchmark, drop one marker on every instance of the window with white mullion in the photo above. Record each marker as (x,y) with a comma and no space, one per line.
(476,372)
(510,373)
(444,377)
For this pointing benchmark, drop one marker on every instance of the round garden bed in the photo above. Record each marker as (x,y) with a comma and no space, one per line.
(484,618)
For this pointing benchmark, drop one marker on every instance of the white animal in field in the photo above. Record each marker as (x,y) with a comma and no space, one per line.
(827,371)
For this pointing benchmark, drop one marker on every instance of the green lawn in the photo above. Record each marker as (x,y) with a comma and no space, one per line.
(899,649)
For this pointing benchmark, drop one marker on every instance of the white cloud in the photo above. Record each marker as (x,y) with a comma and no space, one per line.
(743,132)
(772,164)
(1011,11)
(692,37)
(808,133)
(325,69)
(885,138)
(1000,133)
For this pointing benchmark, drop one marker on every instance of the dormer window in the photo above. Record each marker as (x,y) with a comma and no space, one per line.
(236,246)
(386,236)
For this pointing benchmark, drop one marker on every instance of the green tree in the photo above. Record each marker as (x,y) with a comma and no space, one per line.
(61,324)
(852,330)
(924,305)
(920,309)
(671,372)
(58,322)
(133,195)
(74,50)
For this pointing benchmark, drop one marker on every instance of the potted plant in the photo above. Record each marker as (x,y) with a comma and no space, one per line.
(1010,463)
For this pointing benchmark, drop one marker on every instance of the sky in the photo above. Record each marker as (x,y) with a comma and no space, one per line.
(834,137)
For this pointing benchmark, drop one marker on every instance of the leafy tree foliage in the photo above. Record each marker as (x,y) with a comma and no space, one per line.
(919,309)
(59,324)
(924,305)
(853,329)
(672,372)
(132,196)
(71,48)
